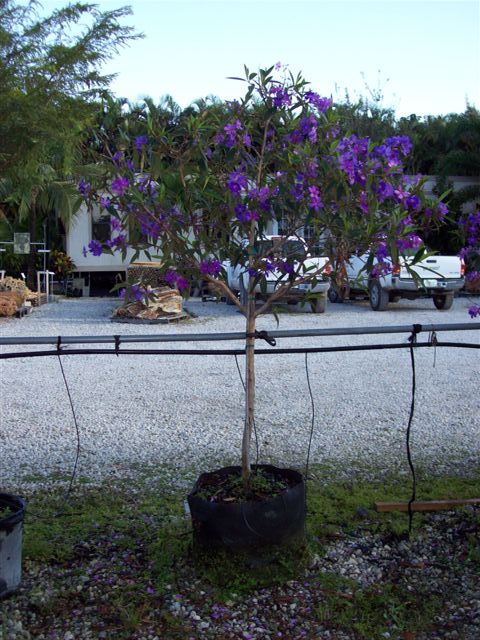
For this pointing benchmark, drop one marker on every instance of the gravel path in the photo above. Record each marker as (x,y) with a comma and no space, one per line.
(188,410)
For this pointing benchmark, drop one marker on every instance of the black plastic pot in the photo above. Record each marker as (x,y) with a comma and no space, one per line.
(11,543)
(250,524)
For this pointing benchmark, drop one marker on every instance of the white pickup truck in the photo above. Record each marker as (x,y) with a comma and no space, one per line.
(437,277)
(274,247)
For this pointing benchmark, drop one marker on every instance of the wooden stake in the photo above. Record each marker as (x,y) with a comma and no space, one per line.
(432,505)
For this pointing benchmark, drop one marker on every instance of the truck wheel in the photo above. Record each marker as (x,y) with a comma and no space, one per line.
(443,301)
(243,293)
(319,305)
(378,297)
(334,295)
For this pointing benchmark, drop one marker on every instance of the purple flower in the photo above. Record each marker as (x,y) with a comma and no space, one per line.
(442,210)
(129,164)
(322,104)
(474,311)
(119,186)
(84,251)
(286,267)
(244,214)
(363,202)
(231,134)
(115,224)
(137,292)
(84,188)
(247,141)
(411,241)
(117,158)
(118,242)
(382,252)
(105,202)
(210,267)
(95,248)
(280,96)
(314,200)
(413,202)
(175,280)
(237,181)
(140,142)
(182,283)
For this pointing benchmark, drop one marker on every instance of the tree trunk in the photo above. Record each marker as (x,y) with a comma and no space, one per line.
(249,367)
(249,386)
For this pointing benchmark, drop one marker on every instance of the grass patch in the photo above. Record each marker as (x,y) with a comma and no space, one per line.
(136,534)
(349,506)
(370,613)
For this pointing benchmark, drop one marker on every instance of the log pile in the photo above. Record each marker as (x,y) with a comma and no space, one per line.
(8,304)
(166,303)
(13,293)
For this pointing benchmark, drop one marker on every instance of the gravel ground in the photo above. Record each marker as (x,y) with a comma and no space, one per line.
(186,413)
(188,410)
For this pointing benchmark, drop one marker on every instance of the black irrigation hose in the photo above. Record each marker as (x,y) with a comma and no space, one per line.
(228,352)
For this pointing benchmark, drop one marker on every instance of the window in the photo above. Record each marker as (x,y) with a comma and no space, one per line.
(100,225)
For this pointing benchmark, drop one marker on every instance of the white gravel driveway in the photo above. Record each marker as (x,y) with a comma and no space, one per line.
(188,410)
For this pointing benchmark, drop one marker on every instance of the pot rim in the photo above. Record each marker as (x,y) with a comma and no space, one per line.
(17,505)
(237,468)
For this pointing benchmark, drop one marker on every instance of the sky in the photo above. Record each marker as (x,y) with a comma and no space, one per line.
(423,56)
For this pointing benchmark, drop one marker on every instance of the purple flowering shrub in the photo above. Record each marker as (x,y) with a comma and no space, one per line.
(209,189)
(276,157)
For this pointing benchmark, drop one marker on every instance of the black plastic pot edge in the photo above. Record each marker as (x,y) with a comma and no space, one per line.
(252,524)
(17,505)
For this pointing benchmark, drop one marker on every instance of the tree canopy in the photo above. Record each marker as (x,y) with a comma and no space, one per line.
(50,80)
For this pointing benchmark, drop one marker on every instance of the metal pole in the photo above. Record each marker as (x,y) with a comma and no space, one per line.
(214,337)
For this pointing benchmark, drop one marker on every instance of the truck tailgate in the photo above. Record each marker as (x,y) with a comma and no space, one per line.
(435,267)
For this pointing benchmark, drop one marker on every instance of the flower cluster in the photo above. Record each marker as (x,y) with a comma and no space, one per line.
(174,279)
(135,292)
(270,157)
(211,267)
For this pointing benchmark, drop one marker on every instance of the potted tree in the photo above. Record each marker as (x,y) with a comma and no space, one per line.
(208,187)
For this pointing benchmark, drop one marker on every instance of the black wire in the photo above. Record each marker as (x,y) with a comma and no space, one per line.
(312,401)
(229,352)
(77,452)
(254,425)
(413,340)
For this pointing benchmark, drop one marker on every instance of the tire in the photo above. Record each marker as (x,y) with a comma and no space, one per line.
(378,296)
(334,295)
(319,305)
(243,293)
(443,301)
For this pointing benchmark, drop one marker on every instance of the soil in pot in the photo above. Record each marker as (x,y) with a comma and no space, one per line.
(12,510)
(256,524)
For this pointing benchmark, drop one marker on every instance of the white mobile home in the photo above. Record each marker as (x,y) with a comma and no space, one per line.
(94,275)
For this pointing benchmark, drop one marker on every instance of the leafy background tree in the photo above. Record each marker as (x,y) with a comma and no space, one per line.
(50,81)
